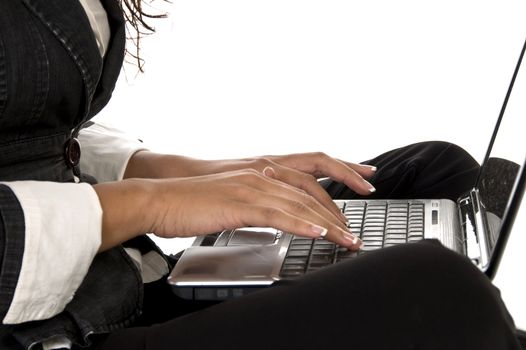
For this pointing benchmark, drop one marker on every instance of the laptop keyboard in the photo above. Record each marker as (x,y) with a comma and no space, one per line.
(379,224)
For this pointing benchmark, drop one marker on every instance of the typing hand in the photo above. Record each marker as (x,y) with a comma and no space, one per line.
(211,203)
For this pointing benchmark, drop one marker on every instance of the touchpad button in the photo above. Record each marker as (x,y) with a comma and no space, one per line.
(253,236)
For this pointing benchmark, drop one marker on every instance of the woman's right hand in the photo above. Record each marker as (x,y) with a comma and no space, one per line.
(206,204)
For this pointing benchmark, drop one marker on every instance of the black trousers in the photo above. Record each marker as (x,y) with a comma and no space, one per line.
(414,296)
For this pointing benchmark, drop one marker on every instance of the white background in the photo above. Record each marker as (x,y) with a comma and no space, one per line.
(237,78)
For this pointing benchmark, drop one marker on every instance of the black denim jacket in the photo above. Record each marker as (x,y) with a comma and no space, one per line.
(52,80)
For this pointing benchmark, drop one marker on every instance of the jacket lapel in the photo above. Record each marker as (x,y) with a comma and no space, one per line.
(67,20)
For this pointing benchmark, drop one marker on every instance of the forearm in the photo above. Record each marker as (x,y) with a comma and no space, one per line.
(145,164)
(127,210)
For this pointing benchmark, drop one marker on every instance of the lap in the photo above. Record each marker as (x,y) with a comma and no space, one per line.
(412,296)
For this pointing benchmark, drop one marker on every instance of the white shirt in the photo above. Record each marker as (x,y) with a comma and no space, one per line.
(98,22)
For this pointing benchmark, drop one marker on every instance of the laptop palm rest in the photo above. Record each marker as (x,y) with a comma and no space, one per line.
(249,259)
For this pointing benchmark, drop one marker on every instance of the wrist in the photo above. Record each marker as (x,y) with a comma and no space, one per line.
(127,210)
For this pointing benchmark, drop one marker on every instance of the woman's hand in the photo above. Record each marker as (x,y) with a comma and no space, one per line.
(297,170)
(211,203)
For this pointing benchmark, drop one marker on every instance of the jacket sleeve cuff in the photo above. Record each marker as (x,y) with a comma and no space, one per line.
(106,152)
(12,238)
(63,224)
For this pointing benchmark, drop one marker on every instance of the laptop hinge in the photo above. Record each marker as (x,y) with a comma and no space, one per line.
(474,226)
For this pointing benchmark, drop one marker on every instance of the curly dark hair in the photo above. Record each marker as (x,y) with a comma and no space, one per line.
(137,27)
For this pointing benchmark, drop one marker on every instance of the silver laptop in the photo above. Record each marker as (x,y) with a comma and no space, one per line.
(236,262)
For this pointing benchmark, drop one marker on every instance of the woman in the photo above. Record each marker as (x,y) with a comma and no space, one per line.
(77,270)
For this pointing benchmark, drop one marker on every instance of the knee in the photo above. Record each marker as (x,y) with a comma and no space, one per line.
(447,291)
(441,170)
(431,280)
(436,266)
(448,150)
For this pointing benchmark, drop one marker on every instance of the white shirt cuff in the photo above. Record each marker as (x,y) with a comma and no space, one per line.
(63,224)
(106,152)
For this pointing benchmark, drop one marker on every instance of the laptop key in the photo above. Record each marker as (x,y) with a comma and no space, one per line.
(368,248)
(320,260)
(344,255)
(292,274)
(299,246)
(296,260)
(298,253)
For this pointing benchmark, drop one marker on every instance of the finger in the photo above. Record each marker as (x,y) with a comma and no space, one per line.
(365,170)
(265,216)
(303,205)
(256,187)
(320,165)
(341,172)
(335,233)
(308,184)
(271,192)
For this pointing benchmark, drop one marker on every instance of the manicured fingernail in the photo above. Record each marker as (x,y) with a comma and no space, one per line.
(371,167)
(269,171)
(350,237)
(321,231)
(369,186)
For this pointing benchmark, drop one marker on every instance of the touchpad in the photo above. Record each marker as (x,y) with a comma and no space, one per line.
(253,236)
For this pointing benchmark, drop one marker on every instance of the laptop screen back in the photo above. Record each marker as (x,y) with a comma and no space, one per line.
(506,155)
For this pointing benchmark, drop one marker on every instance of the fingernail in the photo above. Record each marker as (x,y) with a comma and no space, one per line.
(269,171)
(371,167)
(369,186)
(351,238)
(321,231)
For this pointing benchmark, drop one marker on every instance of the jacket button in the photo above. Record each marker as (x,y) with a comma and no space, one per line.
(72,152)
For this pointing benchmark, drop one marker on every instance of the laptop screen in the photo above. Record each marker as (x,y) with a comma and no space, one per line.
(506,154)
